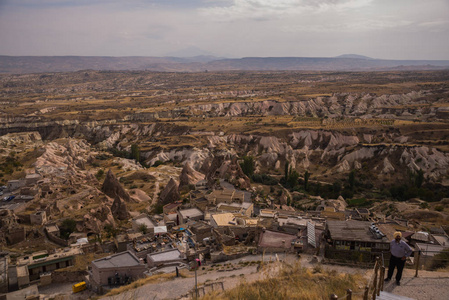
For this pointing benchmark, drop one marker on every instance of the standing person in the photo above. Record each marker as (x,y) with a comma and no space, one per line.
(399,253)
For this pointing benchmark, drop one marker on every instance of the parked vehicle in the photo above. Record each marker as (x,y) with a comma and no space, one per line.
(9,198)
(78,287)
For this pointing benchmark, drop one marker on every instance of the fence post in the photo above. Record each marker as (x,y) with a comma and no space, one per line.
(418,253)
(376,270)
(349,294)
(381,280)
(334,297)
(365,294)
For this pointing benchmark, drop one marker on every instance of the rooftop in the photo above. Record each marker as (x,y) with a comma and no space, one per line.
(352,231)
(276,239)
(144,220)
(122,259)
(429,249)
(443,240)
(226,219)
(44,257)
(191,213)
(165,255)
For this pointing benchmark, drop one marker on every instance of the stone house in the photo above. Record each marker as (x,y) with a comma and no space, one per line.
(116,269)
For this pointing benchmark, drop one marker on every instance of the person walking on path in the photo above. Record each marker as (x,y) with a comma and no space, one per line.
(399,253)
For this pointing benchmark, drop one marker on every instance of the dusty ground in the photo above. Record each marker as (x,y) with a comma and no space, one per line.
(427,286)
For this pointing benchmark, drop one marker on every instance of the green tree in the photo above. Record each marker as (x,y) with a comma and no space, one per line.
(306,180)
(293,177)
(351,180)
(143,228)
(419,178)
(135,152)
(67,227)
(110,230)
(248,165)
(99,174)
(286,171)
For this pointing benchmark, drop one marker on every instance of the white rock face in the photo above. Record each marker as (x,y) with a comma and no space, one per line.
(388,167)
(128,164)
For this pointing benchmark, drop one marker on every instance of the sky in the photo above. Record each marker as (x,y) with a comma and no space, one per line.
(386,29)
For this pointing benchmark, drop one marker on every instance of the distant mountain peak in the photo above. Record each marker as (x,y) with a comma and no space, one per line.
(353,56)
(191,51)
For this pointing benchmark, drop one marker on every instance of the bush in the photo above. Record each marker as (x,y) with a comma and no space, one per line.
(99,174)
(439,208)
(67,227)
(157,163)
(264,179)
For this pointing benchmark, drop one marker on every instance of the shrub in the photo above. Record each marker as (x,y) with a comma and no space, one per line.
(157,163)
(67,227)
(439,208)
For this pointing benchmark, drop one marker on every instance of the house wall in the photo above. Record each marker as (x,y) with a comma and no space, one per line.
(38,218)
(100,276)
(50,266)
(16,235)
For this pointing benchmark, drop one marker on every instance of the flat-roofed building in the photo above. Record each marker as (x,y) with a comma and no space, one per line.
(38,218)
(200,203)
(268,213)
(224,219)
(42,262)
(225,196)
(52,229)
(106,270)
(32,178)
(354,240)
(165,257)
(143,220)
(274,241)
(185,215)
(442,239)
(16,184)
(245,208)
(201,231)
(171,207)
(23,276)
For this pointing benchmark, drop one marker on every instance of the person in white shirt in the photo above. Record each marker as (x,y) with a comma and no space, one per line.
(399,253)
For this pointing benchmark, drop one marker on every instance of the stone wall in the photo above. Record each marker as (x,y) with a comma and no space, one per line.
(63,276)
(57,240)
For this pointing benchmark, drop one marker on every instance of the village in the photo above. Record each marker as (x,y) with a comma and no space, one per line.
(216,225)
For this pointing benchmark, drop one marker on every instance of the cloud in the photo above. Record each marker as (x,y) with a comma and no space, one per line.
(274,9)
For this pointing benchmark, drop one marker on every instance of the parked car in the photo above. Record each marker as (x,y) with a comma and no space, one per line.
(9,198)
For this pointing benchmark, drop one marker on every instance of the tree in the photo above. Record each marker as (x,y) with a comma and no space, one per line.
(247,165)
(306,179)
(351,180)
(143,228)
(293,177)
(67,227)
(419,178)
(135,152)
(110,230)
(286,170)
(99,174)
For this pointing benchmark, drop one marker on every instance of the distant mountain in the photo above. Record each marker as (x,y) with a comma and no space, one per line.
(190,52)
(347,62)
(353,56)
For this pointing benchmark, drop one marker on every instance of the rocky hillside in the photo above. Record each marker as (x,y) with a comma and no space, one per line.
(385,125)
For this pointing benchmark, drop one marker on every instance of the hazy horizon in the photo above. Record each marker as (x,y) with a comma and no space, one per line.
(381,29)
